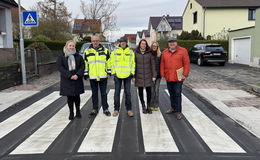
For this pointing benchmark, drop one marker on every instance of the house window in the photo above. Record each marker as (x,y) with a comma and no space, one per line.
(195,17)
(190,5)
(251,14)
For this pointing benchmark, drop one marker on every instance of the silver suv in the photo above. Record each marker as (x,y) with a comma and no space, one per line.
(107,45)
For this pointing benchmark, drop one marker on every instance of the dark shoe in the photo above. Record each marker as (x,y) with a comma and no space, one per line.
(107,113)
(93,112)
(144,109)
(170,111)
(149,111)
(178,116)
(78,114)
(71,116)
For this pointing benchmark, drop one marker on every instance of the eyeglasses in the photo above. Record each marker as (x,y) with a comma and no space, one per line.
(95,41)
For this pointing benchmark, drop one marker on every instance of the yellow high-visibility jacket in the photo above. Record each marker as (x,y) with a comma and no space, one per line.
(96,62)
(122,62)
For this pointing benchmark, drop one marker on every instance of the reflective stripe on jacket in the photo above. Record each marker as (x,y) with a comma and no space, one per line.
(122,62)
(96,62)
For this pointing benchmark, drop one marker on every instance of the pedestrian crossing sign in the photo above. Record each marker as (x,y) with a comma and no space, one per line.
(30,18)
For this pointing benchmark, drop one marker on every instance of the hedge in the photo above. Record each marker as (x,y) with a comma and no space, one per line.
(188,44)
(53,45)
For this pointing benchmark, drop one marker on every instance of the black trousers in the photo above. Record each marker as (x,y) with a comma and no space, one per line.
(103,90)
(73,100)
(141,95)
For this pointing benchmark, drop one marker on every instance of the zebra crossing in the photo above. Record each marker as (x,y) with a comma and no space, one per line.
(156,134)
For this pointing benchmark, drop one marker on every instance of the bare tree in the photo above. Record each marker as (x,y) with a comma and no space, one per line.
(102,10)
(54,20)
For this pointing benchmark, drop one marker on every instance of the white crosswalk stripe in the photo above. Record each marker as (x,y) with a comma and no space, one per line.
(19,118)
(44,136)
(8,99)
(101,135)
(161,139)
(217,140)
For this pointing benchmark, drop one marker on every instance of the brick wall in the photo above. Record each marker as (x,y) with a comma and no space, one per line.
(10,76)
(7,55)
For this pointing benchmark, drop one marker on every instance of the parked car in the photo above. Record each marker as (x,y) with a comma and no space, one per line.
(208,53)
(107,45)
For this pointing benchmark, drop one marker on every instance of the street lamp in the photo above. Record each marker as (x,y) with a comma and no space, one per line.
(22,45)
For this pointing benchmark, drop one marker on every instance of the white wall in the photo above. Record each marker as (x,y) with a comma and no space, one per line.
(6,27)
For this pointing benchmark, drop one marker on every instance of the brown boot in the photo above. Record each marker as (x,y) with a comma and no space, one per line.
(170,111)
(115,113)
(178,116)
(130,113)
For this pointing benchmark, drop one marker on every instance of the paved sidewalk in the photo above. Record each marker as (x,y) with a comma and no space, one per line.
(37,84)
(225,88)
(13,95)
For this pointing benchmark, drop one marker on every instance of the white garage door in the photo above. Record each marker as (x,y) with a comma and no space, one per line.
(242,49)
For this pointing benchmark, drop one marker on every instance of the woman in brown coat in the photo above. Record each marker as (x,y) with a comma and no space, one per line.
(145,73)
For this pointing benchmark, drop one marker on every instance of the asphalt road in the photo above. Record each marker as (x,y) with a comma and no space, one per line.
(38,128)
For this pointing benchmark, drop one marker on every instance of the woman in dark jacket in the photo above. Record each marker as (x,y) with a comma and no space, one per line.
(156,52)
(71,66)
(145,73)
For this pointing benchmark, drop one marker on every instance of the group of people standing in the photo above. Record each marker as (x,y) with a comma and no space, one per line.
(145,67)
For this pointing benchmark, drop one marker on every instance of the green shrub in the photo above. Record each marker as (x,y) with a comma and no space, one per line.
(41,38)
(53,45)
(39,46)
(188,44)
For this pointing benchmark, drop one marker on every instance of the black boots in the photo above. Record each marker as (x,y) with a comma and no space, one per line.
(71,115)
(78,114)
(144,108)
(149,111)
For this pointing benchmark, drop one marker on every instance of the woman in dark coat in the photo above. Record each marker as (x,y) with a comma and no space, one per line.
(156,52)
(145,73)
(71,66)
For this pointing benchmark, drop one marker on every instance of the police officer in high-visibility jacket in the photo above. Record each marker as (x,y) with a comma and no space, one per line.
(122,61)
(97,70)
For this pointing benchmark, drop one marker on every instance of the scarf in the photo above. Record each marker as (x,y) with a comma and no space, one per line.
(71,59)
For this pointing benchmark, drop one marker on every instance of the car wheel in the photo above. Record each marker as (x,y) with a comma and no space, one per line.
(200,61)
(222,63)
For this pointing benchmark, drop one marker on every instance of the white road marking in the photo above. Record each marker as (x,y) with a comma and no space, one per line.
(39,141)
(8,99)
(100,137)
(217,140)
(19,118)
(156,134)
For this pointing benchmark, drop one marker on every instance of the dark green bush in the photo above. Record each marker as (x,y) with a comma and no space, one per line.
(188,44)
(53,45)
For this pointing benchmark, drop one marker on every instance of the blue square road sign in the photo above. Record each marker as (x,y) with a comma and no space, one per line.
(30,18)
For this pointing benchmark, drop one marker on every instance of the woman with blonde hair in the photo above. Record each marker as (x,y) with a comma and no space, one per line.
(71,66)
(156,52)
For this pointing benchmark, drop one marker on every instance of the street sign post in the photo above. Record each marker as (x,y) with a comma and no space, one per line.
(26,19)
(22,46)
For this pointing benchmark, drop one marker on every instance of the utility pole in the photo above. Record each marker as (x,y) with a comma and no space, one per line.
(22,45)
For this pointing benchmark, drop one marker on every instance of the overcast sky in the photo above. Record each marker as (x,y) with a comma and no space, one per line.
(132,15)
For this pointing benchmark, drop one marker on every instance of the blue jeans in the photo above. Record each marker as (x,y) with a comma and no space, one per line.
(127,90)
(103,89)
(175,89)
